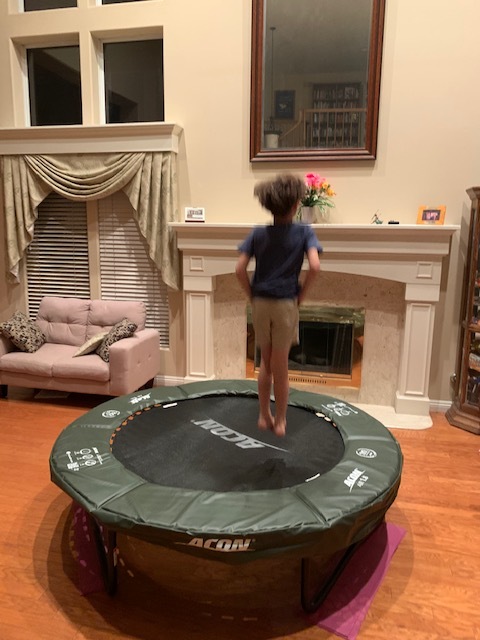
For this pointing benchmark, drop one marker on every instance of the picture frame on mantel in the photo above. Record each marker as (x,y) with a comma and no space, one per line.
(194,214)
(431,215)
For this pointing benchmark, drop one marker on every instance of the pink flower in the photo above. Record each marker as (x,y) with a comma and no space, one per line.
(313,180)
(318,192)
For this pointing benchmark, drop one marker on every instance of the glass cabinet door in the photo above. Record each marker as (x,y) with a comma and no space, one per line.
(465,409)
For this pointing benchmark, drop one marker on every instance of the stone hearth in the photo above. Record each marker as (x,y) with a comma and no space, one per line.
(393,271)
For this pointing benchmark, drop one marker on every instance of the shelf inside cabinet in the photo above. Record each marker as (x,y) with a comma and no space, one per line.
(337,115)
(474,362)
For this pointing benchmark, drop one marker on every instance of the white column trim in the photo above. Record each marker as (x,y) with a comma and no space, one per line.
(199,335)
(412,394)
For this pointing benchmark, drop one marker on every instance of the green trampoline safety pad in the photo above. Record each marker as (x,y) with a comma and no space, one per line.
(186,467)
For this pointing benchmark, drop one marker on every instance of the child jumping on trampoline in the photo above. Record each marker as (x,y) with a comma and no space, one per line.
(275,291)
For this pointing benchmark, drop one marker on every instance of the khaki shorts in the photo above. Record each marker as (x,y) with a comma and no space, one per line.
(275,322)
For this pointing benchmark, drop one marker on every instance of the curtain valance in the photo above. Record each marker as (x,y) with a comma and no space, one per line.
(148,179)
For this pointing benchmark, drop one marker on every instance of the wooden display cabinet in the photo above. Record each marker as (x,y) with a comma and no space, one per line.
(465,410)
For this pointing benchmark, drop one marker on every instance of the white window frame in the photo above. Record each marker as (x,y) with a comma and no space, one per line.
(98,39)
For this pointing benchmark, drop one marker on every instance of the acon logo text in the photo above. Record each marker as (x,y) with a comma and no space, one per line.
(356,477)
(225,545)
(229,435)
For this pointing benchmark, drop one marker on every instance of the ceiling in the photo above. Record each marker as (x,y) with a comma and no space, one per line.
(317,35)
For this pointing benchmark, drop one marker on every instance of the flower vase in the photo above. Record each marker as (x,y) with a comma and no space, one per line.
(308,214)
(272,140)
(323,215)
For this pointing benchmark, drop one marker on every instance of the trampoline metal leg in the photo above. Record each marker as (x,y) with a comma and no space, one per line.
(313,596)
(106,541)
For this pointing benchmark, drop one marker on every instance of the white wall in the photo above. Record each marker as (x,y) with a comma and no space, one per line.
(429,135)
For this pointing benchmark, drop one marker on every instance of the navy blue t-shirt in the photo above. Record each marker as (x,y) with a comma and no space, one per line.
(279,251)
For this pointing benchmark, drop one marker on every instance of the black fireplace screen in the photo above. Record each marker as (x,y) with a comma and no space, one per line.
(323,346)
(330,340)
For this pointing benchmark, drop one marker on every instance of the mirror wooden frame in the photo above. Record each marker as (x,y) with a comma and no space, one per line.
(258,153)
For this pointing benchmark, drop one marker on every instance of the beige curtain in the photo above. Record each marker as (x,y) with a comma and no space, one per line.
(148,179)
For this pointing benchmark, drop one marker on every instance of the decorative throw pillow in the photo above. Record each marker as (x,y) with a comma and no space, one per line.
(25,334)
(91,344)
(123,329)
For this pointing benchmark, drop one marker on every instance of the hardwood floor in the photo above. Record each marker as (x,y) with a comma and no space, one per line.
(431,591)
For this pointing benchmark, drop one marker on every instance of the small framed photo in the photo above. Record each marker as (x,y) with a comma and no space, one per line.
(194,214)
(284,105)
(431,215)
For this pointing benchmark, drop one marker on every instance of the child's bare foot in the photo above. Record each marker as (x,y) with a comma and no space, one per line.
(265,422)
(279,427)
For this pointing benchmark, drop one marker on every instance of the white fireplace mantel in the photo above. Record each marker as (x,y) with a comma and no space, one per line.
(411,254)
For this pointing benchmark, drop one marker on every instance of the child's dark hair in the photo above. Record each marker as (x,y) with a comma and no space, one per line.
(281,194)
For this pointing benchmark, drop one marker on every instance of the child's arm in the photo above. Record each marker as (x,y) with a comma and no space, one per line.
(314,268)
(242,275)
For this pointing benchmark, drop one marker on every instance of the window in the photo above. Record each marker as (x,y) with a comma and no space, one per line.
(54,86)
(39,5)
(134,81)
(58,258)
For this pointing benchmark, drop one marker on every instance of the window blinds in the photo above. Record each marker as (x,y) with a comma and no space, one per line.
(57,258)
(126,270)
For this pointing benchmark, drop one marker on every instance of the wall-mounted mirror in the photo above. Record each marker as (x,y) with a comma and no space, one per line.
(315,79)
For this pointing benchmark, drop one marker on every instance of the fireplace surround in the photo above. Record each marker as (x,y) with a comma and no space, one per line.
(394,271)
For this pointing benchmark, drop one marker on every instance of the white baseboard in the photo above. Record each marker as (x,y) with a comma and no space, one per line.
(168,381)
(440,406)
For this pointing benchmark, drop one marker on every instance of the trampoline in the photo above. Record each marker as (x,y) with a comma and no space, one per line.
(186,467)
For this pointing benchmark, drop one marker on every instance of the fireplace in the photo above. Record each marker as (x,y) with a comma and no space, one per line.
(329,350)
(394,271)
